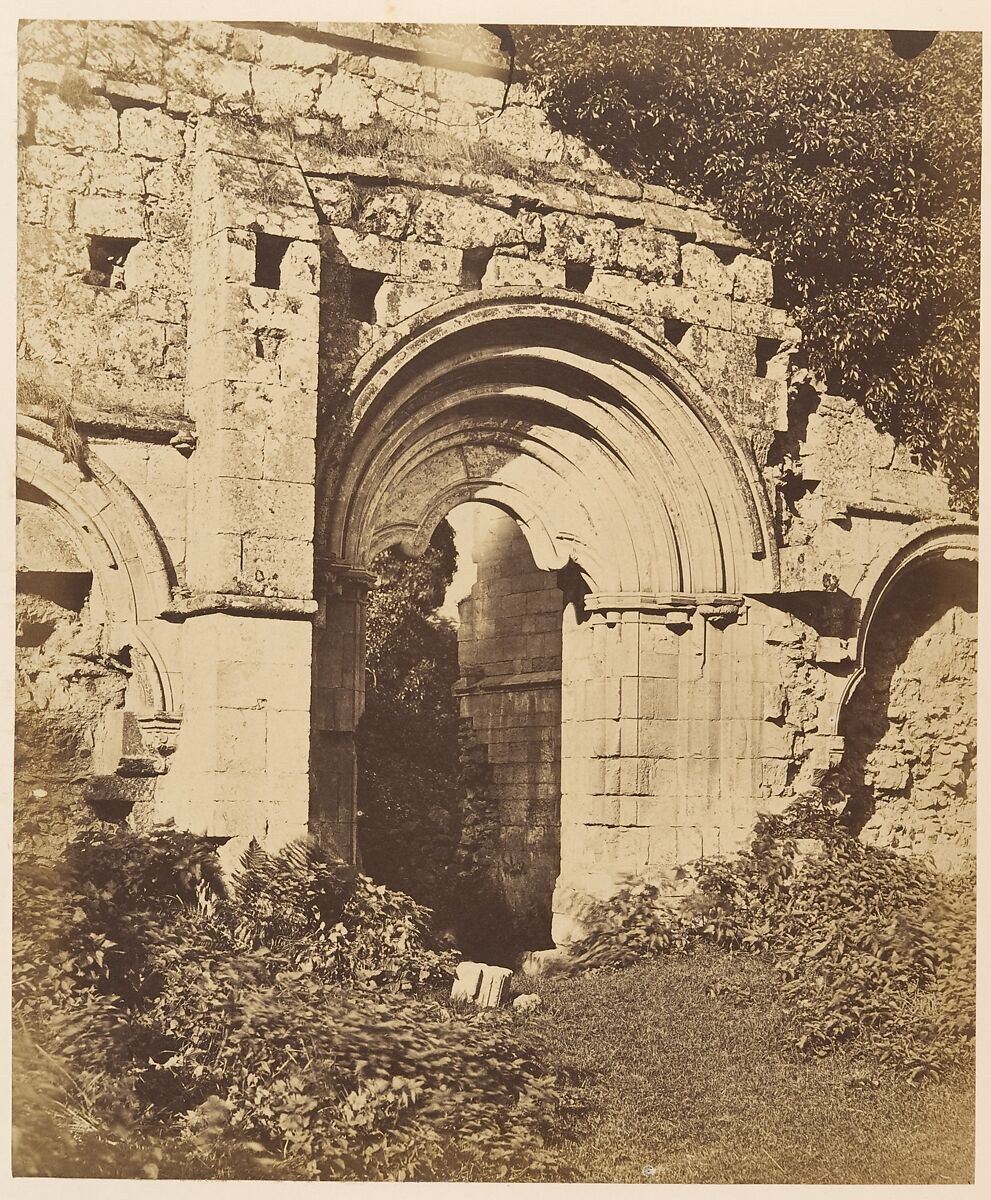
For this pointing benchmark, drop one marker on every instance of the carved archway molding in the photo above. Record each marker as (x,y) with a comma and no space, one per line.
(555,408)
(131,567)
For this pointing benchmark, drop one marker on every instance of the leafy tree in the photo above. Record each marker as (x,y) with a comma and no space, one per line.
(408,739)
(856,171)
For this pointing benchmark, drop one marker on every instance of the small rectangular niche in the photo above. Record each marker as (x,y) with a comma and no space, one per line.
(364,288)
(474,262)
(577,276)
(270,250)
(107,256)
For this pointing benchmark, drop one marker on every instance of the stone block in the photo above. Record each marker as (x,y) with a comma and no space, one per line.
(619,289)
(283,91)
(93,127)
(649,253)
(277,566)
(124,51)
(425,263)
(334,198)
(386,213)
(55,167)
(150,133)
(505,271)
(570,237)
(110,217)
(287,741)
(753,279)
(464,223)
(659,739)
(493,989)
(467,981)
(395,301)
(691,306)
(367,252)
(702,270)
(348,97)
(667,216)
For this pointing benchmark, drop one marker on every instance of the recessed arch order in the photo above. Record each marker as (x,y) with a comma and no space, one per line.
(593,435)
(131,566)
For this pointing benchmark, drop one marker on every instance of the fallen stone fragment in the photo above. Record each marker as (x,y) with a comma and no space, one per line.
(529,1002)
(467,979)
(492,990)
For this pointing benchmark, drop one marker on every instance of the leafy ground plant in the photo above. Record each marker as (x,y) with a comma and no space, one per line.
(872,949)
(169,1025)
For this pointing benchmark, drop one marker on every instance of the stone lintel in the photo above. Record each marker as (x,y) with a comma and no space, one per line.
(507,683)
(199,604)
(889,510)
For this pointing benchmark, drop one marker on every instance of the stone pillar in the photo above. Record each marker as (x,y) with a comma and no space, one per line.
(241,765)
(338,700)
(644,774)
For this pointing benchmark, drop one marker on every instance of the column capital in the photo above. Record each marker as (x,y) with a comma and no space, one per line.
(674,608)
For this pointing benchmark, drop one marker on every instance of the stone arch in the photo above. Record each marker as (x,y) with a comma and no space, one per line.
(938,539)
(553,407)
(132,570)
(908,710)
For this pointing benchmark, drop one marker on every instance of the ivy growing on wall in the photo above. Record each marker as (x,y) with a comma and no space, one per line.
(857,172)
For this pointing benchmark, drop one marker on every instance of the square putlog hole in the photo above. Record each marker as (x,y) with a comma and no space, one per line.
(270,250)
(364,289)
(107,257)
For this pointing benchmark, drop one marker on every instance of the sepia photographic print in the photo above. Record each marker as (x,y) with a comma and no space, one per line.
(496,599)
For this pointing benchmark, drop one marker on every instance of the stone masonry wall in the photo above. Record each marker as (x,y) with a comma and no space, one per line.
(509,651)
(909,767)
(216,222)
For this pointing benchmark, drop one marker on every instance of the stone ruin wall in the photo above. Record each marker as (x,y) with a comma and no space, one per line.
(263,247)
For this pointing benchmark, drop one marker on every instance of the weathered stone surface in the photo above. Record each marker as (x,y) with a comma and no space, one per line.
(467,981)
(529,1002)
(456,221)
(630,422)
(649,254)
(422,262)
(93,127)
(349,98)
(493,988)
(150,133)
(395,301)
(577,239)
(503,271)
(701,269)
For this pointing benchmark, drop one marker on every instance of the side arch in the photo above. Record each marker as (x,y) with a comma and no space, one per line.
(555,408)
(937,539)
(132,571)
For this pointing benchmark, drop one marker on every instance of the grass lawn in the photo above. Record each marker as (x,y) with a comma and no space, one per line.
(705,1088)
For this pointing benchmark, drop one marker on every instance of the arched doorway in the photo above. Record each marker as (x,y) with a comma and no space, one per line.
(601,450)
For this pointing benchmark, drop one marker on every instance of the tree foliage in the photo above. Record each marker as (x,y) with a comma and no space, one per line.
(856,171)
(408,738)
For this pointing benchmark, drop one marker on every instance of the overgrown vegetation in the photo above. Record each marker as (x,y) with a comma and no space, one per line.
(165,1027)
(65,436)
(857,171)
(873,951)
(408,739)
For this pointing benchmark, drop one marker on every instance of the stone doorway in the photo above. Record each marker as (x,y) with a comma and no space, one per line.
(509,694)
(459,746)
